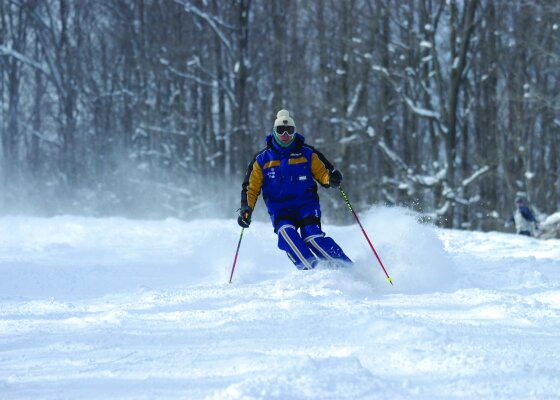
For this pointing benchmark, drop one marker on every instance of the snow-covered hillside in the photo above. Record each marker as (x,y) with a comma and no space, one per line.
(123,309)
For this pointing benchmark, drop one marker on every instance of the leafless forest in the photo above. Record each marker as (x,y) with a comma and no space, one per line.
(151,109)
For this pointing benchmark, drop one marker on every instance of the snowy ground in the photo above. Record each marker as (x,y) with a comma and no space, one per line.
(122,309)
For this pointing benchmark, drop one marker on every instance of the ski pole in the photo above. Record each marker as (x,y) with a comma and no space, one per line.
(236,253)
(365,234)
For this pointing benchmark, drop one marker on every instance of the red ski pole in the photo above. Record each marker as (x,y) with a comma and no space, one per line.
(365,234)
(236,253)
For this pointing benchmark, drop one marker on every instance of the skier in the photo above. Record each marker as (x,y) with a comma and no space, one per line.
(285,171)
(523,218)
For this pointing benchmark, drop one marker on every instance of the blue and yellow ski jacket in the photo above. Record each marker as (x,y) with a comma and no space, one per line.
(286,176)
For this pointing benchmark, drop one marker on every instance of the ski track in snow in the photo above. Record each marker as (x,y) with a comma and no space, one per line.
(122,309)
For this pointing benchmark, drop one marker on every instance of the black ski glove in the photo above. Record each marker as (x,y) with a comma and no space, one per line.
(335,178)
(244,218)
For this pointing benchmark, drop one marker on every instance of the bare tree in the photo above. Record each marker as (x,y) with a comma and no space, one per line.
(152,108)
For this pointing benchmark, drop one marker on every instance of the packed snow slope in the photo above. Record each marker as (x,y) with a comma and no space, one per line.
(124,309)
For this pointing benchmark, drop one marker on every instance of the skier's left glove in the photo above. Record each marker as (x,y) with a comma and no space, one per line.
(335,178)
(244,218)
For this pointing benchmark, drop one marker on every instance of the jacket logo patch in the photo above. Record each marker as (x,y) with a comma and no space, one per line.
(303,178)
(295,155)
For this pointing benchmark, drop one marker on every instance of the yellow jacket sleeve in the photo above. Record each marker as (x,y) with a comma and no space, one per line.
(321,168)
(252,184)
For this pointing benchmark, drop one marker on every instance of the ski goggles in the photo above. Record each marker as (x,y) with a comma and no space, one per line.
(283,129)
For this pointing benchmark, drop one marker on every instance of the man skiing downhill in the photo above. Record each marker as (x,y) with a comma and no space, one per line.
(285,171)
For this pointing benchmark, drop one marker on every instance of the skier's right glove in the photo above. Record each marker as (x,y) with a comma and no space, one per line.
(335,178)
(244,218)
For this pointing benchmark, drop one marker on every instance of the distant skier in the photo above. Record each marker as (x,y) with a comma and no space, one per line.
(286,170)
(523,218)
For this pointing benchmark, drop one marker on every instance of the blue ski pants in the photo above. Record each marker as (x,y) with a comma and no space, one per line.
(306,247)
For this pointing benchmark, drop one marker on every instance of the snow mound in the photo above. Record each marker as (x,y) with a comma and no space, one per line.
(412,253)
(420,258)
